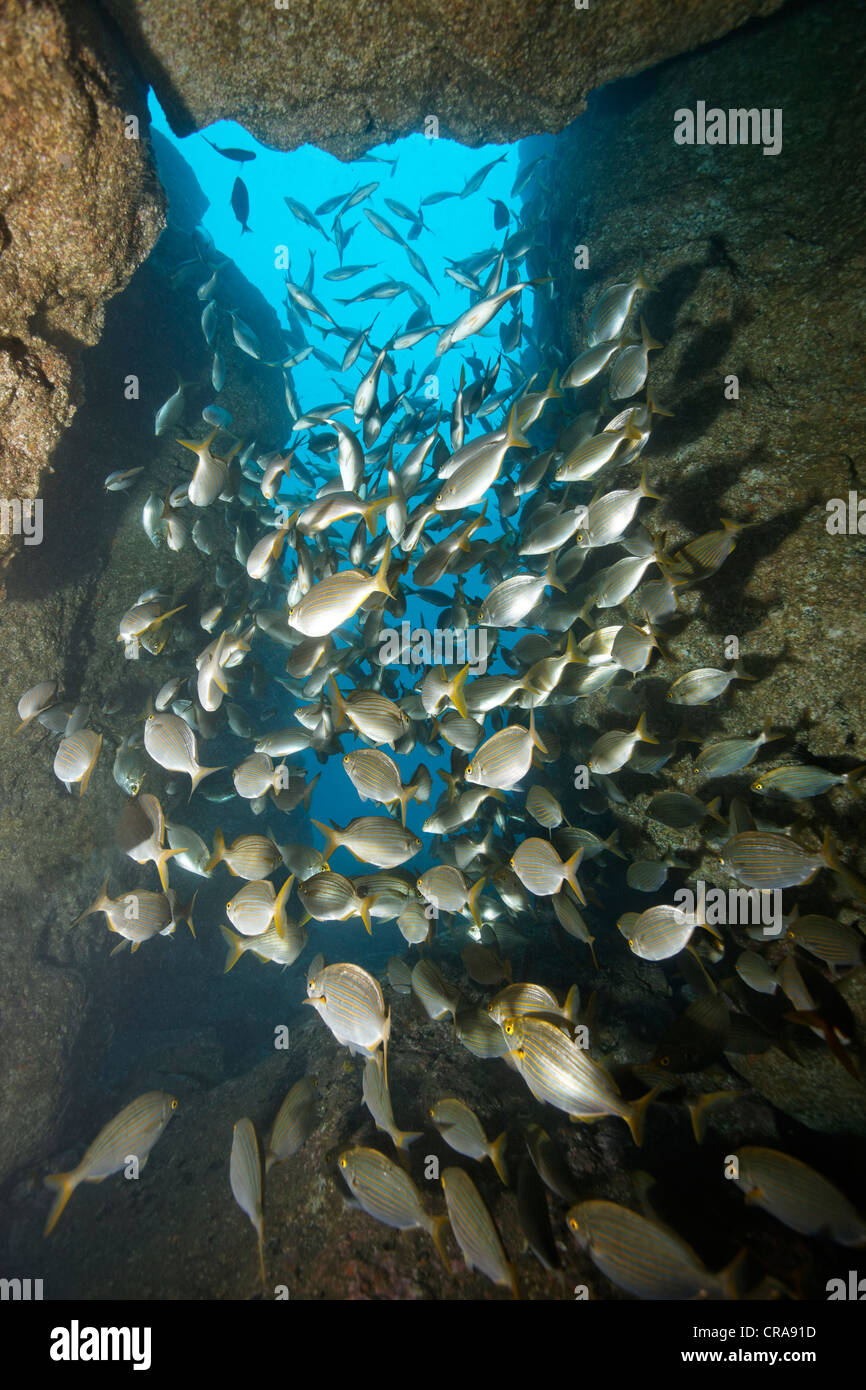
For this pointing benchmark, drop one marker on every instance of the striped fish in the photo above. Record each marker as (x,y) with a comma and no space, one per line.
(251,910)
(763,859)
(831,941)
(463,1132)
(281,947)
(643,1257)
(132,1133)
(254,776)
(351,1003)
(136,915)
(76,758)
(633,647)
(337,598)
(376,777)
(245,1175)
(662,931)
(171,743)
(731,755)
(389,1195)
(610,314)
(705,554)
(612,750)
(561,1074)
(504,759)
(371,839)
(372,715)
(474,1230)
(540,869)
(294,1123)
(34,701)
(249,856)
(592,455)
(414,923)
(705,683)
(801,783)
(377,1099)
(210,473)
(330,897)
(434,991)
(629,371)
(480,1034)
(519,999)
(797,1196)
(550,1164)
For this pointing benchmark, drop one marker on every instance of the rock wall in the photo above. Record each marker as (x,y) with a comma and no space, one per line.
(80,208)
(758,263)
(348,74)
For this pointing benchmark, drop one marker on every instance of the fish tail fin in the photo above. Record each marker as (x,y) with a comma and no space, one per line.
(97,905)
(200,774)
(185,913)
(381,582)
(642,283)
(86,778)
(636,1118)
(458,699)
(741,675)
(731,1277)
(308,794)
(161,860)
(364,911)
(280,906)
(656,409)
(513,433)
(649,341)
(571,1007)
(371,511)
(236,950)
(533,734)
(405,1137)
(439,1227)
(550,575)
(641,731)
(337,701)
(497,1156)
(852,881)
(853,782)
(65,1184)
(571,867)
(332,840)
(219,849)
(713,810)
(612,843)
(474,895)
(553,392)
(645,488)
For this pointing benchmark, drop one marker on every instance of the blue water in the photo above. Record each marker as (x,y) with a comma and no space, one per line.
(454,229)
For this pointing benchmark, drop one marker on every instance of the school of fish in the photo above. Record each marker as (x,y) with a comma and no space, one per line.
(530,489)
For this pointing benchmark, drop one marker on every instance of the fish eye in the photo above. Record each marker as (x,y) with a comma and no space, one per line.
(468,769)
(342,1162)
(574,1223)
(757,786)
(664,1061)
(509,1027)
(173,1104)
